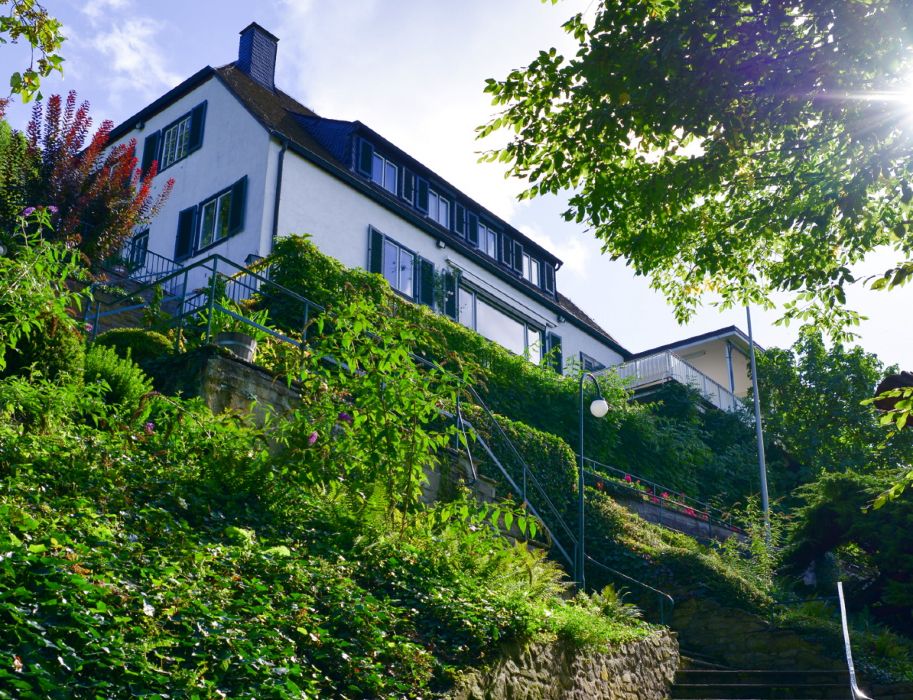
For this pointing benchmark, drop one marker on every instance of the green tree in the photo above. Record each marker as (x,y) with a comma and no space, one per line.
(29,20)
(878,547)
(811,400)
(732,148)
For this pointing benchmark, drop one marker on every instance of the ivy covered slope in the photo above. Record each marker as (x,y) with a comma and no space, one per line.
(705,454)
(150,548)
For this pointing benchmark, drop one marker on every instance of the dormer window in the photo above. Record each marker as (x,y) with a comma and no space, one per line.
(488,241)
(384,173)
(439,209)
(530,269)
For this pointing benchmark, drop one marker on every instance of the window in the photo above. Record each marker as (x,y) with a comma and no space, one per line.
(406,272)
(211,221)
(530,269)
(399,267)
(589,364)
(176,141)
(384,173)
(483,317)
(488,241)
(214,219)
(439,209)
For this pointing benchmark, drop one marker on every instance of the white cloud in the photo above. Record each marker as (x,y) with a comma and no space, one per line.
(95,9)
(134,58)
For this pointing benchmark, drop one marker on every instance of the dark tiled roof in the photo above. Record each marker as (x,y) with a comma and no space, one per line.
(575,311)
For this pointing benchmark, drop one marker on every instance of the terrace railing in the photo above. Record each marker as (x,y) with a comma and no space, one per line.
(667,366)
(664,497)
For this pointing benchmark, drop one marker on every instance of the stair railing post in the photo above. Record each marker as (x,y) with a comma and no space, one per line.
(180,333)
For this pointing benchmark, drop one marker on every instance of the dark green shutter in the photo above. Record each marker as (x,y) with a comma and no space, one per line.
(407,186)
(425,278)
(376,252)
(518,258)
(472,230)
(421,199)
(450,295)
(459,219)
(150,150)
(364,161)
(183,244)
(549,277)
(554,357)
(507,251)
(238,206)
(197,120)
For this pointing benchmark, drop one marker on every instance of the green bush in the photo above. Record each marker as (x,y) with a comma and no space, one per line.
(136,344)
(52,349)
(126,383)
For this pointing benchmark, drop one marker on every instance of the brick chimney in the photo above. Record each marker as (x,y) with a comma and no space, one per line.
(257,54)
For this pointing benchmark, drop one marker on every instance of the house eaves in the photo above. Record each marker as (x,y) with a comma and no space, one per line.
(728,333)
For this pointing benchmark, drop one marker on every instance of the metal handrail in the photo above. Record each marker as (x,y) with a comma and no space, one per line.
(662,595)
(714,515)
(855,692)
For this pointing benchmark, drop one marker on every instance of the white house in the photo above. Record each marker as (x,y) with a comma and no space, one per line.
(251,163)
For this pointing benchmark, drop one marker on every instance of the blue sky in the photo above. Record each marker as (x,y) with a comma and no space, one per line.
(414,71)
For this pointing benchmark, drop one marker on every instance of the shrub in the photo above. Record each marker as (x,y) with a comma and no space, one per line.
(126,383)
(52,349)
(136,344)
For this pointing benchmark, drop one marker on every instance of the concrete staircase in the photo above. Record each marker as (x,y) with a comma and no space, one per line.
(727,684)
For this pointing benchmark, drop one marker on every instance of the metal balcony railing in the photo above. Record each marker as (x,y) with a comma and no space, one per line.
(667,366)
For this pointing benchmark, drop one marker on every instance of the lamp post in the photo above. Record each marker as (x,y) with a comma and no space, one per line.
(759,430)
(599,407)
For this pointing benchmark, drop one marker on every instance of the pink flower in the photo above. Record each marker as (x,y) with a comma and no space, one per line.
(89,327)
(665,494)
(149,428)
(628,478)
(312,438)
(344,417)
(53,209)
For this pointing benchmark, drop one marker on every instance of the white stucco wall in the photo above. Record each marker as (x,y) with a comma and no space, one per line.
(338,218)
(710,358)
(234,145)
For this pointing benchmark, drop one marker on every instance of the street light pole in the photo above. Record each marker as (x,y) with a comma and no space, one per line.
(759,430)
(599,407)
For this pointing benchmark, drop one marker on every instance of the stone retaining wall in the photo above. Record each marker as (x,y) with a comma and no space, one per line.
(641,670)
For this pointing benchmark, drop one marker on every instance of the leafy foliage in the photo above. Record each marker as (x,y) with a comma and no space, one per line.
(726,148)
(136,344)
(35,325)
(707,454)
(125,384)
(29,19)
(97,195)
(812,407)
(831,519)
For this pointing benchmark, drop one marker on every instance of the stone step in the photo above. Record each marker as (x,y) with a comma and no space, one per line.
(761,677)
(773,690)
